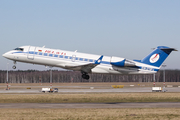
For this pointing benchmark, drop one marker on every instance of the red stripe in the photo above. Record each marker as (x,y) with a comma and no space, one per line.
(155,57)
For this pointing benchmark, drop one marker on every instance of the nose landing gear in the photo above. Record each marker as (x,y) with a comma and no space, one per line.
(14,66)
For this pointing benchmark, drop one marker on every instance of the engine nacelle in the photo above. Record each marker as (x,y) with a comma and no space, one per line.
(123,63)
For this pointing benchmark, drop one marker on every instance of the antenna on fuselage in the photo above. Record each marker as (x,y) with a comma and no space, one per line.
(43,46)
(75,51)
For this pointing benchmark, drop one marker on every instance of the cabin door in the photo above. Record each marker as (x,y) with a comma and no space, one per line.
(31,52)
(73,58)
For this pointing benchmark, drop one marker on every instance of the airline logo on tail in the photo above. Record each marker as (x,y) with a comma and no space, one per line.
(154,58)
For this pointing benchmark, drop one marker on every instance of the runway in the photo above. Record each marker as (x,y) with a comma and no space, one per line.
(88,90)
(91,105)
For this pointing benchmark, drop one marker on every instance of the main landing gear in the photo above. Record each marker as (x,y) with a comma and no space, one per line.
(14,66)
(85,76)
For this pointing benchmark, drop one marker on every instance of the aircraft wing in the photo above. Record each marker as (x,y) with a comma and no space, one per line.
(86,67)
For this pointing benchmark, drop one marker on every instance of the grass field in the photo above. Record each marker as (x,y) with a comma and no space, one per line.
(90,114)
(90,98)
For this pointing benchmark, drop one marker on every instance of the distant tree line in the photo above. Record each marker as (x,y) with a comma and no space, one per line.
(33,76)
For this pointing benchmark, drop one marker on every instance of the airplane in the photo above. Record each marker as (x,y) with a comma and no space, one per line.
(89,63)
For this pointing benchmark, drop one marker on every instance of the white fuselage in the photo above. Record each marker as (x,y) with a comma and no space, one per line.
(71,60)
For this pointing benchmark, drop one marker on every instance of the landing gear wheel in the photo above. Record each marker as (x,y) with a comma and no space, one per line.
(85,76)
(14,67)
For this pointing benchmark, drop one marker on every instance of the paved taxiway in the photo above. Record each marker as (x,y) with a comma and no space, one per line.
(82,90)
(90,105)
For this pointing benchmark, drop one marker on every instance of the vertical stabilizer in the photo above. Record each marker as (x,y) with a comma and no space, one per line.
(157,57)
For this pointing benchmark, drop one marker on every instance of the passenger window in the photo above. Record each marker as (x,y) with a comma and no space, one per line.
(90,60)
(61,56)
(45,54)
(55,55)
(81,59)
(66,57)
(51,55)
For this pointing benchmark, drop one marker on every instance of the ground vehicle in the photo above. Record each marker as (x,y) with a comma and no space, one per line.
(46,90)
(55,90)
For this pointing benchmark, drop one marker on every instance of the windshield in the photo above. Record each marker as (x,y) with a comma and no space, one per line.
(19,49)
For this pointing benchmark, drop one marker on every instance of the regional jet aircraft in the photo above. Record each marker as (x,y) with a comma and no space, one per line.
(89,63)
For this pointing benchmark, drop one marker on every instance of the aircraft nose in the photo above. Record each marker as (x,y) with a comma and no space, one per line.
(5,55)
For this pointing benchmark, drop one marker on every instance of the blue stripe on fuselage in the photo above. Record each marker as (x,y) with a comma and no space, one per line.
(79,59)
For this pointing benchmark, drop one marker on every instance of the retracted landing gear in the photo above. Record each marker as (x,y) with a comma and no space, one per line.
(85,76)
(14,66)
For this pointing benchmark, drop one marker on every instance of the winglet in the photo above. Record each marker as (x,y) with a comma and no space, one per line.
(99,60)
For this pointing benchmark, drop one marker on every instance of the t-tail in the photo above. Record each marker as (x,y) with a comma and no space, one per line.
(158,56)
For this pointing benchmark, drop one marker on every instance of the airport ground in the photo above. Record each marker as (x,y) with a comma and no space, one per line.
(86,101)
(88,87)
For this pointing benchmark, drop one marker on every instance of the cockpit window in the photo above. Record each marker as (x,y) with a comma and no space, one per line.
(19,49)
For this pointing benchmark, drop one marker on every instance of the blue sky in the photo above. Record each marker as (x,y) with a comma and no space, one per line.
(123,28)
